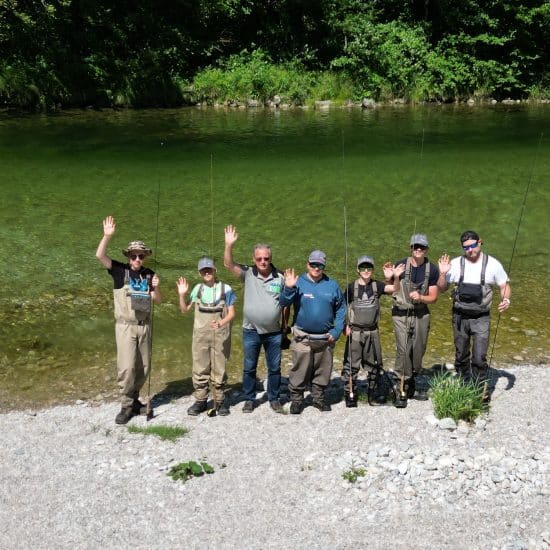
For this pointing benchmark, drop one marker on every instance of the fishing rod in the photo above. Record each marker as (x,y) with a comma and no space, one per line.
(520,220)
(149,410)
(212,411)
(350,362)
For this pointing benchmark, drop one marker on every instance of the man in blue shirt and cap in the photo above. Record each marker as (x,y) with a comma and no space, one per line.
(319,314)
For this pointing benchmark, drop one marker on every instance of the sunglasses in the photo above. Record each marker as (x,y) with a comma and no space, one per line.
(419,247)
(365,267)
(315,265)
(262,259)
(470,246)
(136,256)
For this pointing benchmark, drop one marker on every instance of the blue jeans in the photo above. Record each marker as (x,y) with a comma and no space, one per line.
(252,343)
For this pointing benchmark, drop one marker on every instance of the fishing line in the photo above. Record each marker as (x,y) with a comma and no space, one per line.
(148,404)
(520,220)
(211,205)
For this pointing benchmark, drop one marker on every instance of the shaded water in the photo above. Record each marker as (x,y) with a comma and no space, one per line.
(281,177)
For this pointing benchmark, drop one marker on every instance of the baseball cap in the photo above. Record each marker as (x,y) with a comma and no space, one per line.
(317,257)
(205,263)
(365,260)
(419,238)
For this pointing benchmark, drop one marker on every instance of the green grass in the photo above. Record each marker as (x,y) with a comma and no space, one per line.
(354,473)
(186,470)
(170,433)
(453,397)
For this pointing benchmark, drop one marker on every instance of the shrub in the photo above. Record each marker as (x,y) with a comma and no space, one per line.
(186,470)
(454,397)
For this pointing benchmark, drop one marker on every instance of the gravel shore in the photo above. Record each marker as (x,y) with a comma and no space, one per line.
(71,478)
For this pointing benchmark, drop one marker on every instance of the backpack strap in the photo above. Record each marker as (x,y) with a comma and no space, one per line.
(407,276)
(424,286)
(126,276)
(483,268)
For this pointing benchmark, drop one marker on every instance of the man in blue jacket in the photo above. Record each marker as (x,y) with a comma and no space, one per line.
(319,314)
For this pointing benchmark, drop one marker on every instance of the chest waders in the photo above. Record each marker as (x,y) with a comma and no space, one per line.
(403,302)
(471,299)
(364,314)
(205,313)
(133,301)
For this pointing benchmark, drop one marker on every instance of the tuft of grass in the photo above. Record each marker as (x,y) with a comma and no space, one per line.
(354,473)
(171,433)
(456,398)
(186,470)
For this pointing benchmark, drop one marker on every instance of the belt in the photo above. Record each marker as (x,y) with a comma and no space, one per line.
(312,336)
(472,315)
(364,329)
(138,323)
(413,312)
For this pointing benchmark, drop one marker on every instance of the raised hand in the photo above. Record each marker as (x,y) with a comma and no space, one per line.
(398,270)
(231,235)
(388,270)
(290,278)
(444,264)
(109,226)
(183,286)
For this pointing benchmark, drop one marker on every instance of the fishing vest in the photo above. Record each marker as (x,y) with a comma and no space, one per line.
(401,299)
(133,300)
(364,311)
(471,298)
(205,313)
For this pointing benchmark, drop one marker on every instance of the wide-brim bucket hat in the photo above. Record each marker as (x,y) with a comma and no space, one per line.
(137,246)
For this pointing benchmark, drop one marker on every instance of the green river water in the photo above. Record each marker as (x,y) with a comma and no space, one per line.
(285,177)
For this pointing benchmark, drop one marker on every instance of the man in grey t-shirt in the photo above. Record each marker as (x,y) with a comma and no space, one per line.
(263,284)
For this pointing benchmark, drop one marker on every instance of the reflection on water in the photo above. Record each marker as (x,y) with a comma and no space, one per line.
(282,177)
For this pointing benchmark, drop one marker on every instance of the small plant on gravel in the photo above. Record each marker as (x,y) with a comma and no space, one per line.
(354,473)
(454,397)
(186,470)
(171,433)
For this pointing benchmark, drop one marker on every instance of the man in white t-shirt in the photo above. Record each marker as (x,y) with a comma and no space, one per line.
(473,274)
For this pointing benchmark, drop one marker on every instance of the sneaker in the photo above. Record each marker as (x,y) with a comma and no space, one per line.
(138,408)
(248,406)
(296,407)
(124,415)
(196,408)
(276,406)
(322,406)
(222,409)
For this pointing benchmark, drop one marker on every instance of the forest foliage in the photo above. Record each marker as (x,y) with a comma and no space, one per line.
(165,53)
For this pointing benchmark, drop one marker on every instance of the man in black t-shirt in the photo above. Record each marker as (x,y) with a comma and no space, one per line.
(411,318)
(134,288)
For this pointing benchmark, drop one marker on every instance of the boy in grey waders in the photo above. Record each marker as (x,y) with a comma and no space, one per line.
(362,337)
(213,302)
(135,287)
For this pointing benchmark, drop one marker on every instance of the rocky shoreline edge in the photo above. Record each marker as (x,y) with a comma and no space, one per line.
(371,477)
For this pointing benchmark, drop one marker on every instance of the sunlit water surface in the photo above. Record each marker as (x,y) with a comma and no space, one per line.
(291,178)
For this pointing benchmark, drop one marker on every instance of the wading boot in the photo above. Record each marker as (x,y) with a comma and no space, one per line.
(322,405)
(138,408)
(196,408)
(296,407)
(222,409)
(248,406)
(124,415)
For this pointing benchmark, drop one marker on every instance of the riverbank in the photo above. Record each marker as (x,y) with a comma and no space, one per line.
(71,478)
